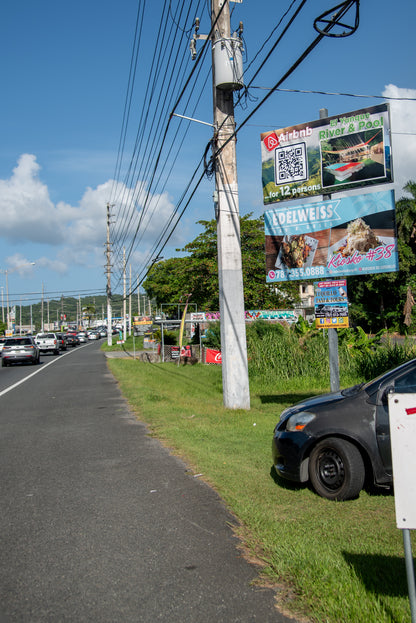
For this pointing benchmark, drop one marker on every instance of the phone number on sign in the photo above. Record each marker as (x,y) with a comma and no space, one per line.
(313,271)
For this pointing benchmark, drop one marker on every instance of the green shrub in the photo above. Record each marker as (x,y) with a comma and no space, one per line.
(213,336)
(384,358)
(169,338)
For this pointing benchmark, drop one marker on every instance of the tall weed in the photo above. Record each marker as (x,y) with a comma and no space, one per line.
(285,353)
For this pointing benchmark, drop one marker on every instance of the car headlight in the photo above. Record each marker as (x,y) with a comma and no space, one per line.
(298,421)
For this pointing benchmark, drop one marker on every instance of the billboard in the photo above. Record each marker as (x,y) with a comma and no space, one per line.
(353,235)
(331,304)
(328,155)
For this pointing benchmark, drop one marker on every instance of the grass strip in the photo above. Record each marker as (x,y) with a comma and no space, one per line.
(329,561)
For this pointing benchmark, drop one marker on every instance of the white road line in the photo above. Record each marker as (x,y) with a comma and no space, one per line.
(44,366)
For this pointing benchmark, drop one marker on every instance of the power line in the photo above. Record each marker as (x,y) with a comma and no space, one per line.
(382,97)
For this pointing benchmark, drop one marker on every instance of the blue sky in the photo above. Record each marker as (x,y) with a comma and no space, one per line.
(64,72)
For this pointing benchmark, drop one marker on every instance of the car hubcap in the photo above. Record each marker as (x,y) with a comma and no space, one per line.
(331,470)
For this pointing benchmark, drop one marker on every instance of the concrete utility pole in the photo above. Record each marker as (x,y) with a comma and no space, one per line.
(130,323)
(236,393)
(108,271)
(124,297)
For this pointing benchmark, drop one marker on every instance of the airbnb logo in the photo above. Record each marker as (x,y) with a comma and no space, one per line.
(271,142)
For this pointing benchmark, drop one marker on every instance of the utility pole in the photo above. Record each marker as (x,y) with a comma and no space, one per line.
(236,393)
(124,295)
(108,271)
(130,303)
(42,323)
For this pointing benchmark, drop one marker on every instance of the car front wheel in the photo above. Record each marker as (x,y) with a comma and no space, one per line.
(336,469)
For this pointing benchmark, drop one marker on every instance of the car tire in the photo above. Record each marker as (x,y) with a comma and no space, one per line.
(3,363)
(336,469)
(56,352)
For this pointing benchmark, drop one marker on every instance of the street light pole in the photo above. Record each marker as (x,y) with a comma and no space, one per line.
(6,272)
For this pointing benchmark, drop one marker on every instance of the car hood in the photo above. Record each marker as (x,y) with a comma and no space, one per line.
(310,403)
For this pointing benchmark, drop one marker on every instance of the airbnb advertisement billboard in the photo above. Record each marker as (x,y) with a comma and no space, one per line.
(327,155)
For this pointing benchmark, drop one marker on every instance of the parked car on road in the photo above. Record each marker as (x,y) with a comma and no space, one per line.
(341,440)
(82,338)
(21,349)
(2,340)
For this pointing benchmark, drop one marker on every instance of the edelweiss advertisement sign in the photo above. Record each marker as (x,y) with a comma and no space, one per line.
(328,155)
(353,235)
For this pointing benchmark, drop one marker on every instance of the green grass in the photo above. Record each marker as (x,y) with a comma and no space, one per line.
(130,344)
(331,561)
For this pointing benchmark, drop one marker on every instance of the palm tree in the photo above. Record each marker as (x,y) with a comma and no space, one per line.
(406,232)
(406,214)
(88,312)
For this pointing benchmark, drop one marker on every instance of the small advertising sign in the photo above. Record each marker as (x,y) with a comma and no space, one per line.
(354,235)
(331,305)
(327,155)
(213,356)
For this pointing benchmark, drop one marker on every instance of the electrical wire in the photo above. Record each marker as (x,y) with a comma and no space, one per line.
(346,6)
(176,215)
(382,97)
(163,141)
(154,123)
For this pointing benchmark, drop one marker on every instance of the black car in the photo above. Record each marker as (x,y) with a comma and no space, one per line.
(62,341)
(72,339)
(341,440)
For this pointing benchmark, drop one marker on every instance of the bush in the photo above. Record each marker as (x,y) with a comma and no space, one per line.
(213,336)
(384,358)
(169,339)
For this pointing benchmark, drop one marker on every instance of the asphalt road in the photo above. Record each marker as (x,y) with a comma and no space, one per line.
(98,522)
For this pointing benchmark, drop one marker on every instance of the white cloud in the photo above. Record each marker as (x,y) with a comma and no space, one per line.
(403,123)
(75,235)
(26,209)
(17,263)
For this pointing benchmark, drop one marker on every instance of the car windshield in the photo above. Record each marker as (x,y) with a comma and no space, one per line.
(23,341)
(384,378)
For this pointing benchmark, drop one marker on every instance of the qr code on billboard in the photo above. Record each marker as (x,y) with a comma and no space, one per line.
(291,164)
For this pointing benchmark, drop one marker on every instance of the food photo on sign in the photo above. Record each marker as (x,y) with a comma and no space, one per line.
(338,237)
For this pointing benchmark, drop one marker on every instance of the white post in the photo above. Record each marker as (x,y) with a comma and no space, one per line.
(236,394)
